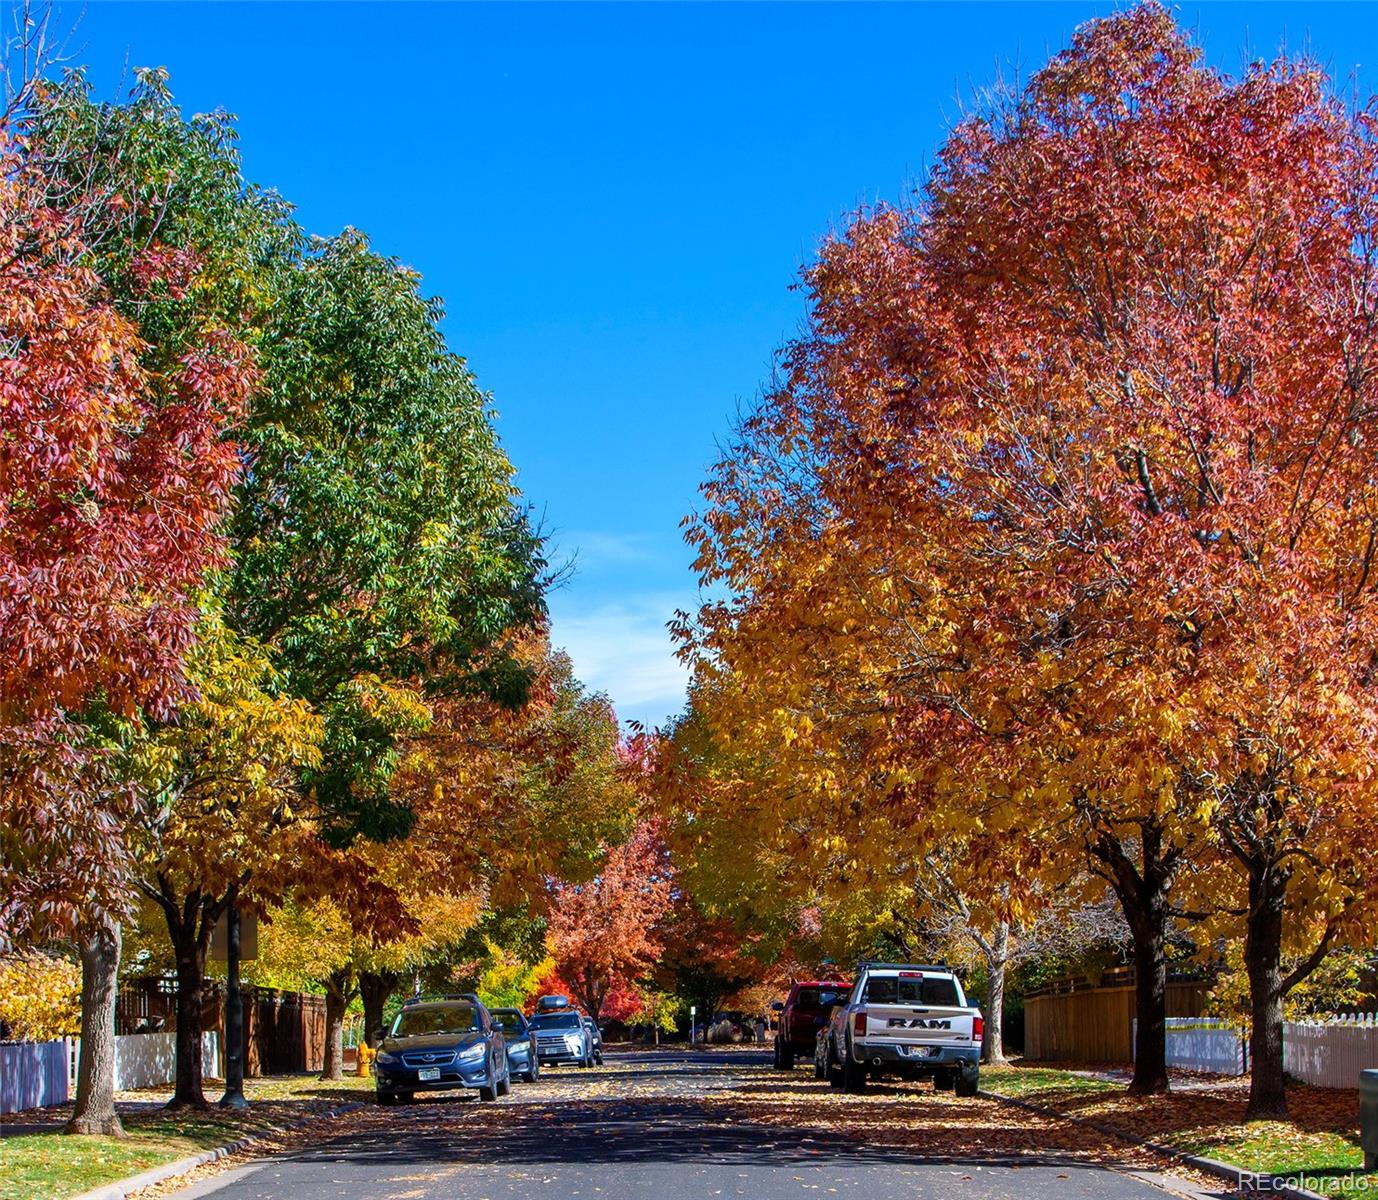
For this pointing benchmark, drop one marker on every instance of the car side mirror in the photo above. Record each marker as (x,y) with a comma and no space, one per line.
(778,1006)
(379,1034)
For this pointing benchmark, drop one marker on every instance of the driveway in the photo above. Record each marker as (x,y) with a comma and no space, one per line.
(675,1126)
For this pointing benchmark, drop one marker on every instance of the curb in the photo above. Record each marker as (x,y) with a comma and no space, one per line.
(1237,1176)
(124,1187)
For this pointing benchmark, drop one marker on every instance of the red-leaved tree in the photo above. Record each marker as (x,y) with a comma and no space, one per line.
(113,483)
(602,934)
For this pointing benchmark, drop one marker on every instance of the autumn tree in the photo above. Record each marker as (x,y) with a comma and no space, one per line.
(378,547)
(320,944)
(1058,523)
(602,933)
(113,481)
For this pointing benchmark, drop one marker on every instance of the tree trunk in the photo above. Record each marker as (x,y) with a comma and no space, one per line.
(1263,963)
(94,1111)
(1142,890)
(374,989)
(190,924)
(1150,999)
(340,989)
(997,964)
(191,974)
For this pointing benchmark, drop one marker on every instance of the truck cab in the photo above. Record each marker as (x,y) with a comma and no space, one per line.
(802,1014)
(905,1019)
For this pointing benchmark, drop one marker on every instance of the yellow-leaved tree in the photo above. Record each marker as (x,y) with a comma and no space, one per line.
(40,996)
(229,825)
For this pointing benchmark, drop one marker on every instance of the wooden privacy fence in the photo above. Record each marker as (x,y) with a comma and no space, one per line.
(284,1031)
(1073,1020)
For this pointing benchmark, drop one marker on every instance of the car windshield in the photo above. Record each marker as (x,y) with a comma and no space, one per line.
(892,989)
(509,1022)
(561,1020)
(819,997)
(452,1018)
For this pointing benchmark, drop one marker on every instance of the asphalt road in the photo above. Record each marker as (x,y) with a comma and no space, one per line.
(680,1126)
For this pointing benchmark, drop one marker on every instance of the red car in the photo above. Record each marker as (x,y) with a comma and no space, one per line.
(803,1013)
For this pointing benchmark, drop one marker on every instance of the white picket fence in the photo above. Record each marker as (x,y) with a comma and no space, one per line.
(1331,1053)
(1328,1052)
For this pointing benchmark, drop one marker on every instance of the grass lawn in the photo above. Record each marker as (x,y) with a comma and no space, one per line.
(1206,1117)
(51,1166)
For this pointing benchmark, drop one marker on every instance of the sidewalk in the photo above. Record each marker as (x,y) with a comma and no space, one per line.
(39,1162)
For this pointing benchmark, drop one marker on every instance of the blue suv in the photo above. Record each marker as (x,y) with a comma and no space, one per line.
(442,1045)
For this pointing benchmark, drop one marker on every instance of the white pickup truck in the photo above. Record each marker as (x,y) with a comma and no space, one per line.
(908,1020)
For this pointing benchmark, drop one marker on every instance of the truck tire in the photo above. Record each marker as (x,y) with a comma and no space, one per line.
(834,1069)
(968,1082)
(786,1057)
(853,1075)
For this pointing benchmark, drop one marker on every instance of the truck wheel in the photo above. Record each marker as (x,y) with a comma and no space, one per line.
(834,1070)
(787,1057)
(853,1075)
(968,1083)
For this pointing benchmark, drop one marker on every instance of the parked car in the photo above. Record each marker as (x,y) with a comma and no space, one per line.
(442,1045)
(522,1059)
(595,1039)
(562,1038)
(907,1020)
(802,1014)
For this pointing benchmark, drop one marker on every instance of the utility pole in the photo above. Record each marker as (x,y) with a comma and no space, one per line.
(234,1012)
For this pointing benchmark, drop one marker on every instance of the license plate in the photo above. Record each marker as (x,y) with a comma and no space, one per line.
(426,1074)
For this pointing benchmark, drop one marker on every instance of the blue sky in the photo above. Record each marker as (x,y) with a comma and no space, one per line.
(614,201)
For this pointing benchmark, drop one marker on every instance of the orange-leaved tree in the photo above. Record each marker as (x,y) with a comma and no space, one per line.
(1060,522)
(602,933)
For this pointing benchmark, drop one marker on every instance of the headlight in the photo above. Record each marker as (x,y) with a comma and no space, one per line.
(472,1053)
(385,1058)
(573,1041)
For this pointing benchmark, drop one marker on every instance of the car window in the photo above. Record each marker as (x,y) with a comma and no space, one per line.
(452,1018)
(819,997)
(561,1020)
(509,1022)
(892,989)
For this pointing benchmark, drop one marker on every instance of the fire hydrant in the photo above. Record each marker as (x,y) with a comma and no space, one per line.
(366,1055)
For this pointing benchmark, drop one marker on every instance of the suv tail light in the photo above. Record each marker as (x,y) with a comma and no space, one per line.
(978,1028)
(859,1023)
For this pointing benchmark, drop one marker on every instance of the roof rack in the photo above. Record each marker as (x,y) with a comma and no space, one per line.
(868,965)
(469,997)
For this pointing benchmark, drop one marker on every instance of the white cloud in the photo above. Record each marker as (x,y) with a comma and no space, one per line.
(625,650)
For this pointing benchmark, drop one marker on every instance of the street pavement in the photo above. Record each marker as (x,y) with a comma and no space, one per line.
(663,1125)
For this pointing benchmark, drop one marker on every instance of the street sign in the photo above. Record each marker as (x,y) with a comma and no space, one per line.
(248,937)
